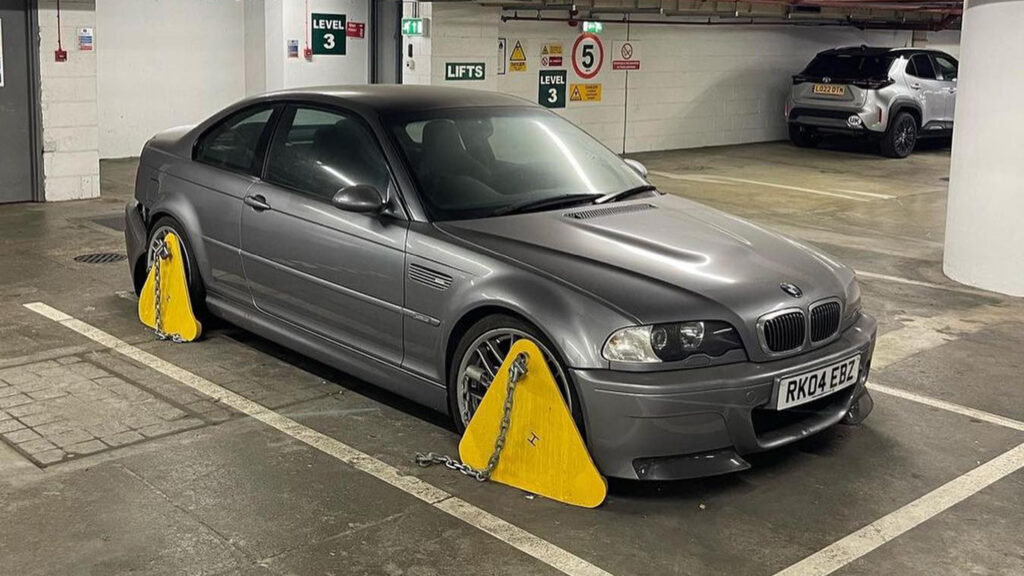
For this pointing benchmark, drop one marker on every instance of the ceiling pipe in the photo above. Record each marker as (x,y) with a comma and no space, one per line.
(747,21)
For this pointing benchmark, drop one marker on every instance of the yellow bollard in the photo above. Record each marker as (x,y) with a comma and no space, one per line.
(544,452)
(176,320)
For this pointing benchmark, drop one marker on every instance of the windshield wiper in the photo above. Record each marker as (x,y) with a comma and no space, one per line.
(625,193)
(543,203)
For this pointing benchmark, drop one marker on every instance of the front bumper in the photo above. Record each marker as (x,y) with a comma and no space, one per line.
(700,422)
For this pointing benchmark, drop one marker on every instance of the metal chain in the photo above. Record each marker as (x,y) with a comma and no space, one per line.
(515,373)
(160,252)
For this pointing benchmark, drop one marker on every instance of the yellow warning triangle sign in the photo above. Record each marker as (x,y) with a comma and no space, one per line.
(518,54)
(575,94)
(544,452)
(176,317)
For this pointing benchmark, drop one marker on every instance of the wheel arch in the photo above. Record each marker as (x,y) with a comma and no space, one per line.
(910,107)
(471,317)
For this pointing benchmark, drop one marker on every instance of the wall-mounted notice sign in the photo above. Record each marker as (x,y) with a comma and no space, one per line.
(85,39)
(551,55)
(356,30)
(1,53)
(626,55)
(293,48)
(502,55)
(585,93)
(517,60)
(464,70)
(329,33)
(551,84)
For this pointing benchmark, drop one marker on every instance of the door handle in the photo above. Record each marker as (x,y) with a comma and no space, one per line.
(257,202)
(915,86)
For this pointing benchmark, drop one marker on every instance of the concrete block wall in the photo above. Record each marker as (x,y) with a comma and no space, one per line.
(697,86)
(71,168)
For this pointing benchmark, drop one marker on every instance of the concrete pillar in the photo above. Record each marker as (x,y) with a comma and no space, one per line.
(985,211)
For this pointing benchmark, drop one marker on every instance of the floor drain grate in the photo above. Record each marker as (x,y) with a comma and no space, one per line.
(101,258)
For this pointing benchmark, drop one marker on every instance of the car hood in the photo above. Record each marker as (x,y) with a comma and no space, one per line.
(663,259)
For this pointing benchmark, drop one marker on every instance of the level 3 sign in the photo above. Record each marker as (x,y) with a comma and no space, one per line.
(551,86)
(329,32)
(585,93)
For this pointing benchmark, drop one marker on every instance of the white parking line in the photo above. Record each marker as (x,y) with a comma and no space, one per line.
(949,406)
(507,532)
(888,527)
(908,281)
(712,178)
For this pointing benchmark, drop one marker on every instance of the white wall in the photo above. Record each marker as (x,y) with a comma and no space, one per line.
(163,64)
(71,167)
(286,20)
(698,86)
(946,40)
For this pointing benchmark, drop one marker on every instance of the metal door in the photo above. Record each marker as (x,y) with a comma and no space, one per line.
(929,91)
(17,105)
(335,273)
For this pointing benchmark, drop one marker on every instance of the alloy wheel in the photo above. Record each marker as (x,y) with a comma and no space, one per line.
(905,138)
(481,362)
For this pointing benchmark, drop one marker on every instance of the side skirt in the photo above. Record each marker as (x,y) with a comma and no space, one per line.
(382,374)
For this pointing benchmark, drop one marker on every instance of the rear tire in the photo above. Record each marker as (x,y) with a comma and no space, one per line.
(901,136)
(196,289)
(803,137)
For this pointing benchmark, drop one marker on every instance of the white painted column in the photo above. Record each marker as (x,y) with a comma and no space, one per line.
(985,211)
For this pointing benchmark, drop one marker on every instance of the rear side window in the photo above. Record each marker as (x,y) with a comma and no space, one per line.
(234,143)
(947,67)
(318,152)
(849,66)
(921,67)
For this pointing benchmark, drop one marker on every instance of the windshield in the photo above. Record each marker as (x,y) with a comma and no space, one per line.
(479,162)
(849,66)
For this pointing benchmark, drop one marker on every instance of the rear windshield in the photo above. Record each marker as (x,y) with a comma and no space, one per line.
(849,66)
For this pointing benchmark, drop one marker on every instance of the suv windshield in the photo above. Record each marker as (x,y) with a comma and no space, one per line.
(480,162)
(849,66)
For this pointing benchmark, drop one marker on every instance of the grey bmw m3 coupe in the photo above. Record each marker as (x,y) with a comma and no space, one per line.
(408,235)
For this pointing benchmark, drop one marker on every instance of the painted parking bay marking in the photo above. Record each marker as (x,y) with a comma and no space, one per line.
(503,530)
(846,194)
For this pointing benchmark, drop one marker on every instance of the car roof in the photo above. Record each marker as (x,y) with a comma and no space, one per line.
(397,98)
(864,50)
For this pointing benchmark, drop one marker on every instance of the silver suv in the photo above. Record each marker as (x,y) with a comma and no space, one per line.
(893,95)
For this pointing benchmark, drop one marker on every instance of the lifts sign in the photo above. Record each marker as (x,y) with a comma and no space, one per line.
(329,32)
(464,71)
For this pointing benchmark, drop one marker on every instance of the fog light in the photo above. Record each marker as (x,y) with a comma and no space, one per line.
(854,121)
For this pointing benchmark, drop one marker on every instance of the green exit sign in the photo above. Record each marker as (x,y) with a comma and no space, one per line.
(592,27)
(414,26)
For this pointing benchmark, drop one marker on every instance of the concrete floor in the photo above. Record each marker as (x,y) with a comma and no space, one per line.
(109,467)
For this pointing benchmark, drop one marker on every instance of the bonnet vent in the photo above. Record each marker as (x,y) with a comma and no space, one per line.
(608,211)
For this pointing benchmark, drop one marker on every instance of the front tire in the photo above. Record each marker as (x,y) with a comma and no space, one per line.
(802,136)
(901,137)
(480,353)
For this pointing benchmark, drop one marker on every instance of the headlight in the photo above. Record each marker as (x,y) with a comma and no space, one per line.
(670,342)
(852,303)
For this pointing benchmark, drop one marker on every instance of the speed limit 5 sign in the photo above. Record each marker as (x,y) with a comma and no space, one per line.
(587,55)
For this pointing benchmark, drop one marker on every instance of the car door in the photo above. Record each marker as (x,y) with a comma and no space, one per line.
(335,273)
(928,89)
(226,159)
(948,69)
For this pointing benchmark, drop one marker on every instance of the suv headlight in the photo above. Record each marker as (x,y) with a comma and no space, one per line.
(670,342)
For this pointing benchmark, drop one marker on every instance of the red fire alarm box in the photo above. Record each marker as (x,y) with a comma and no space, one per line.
(60,55)
(355,29)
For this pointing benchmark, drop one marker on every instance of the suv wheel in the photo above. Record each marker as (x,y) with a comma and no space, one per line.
(900,138)
(802,136)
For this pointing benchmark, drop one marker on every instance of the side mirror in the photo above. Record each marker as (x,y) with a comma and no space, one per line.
(359,198)
(637,166)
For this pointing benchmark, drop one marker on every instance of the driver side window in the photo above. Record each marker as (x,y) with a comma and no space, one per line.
(318,152)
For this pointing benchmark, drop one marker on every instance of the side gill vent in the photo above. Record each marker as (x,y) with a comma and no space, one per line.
(608,211)
(428,277)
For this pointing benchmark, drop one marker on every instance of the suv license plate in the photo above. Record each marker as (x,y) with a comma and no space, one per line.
(809,386)
(830,89)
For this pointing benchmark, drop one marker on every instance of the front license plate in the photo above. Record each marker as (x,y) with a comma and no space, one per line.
(830,89)
(809,386)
